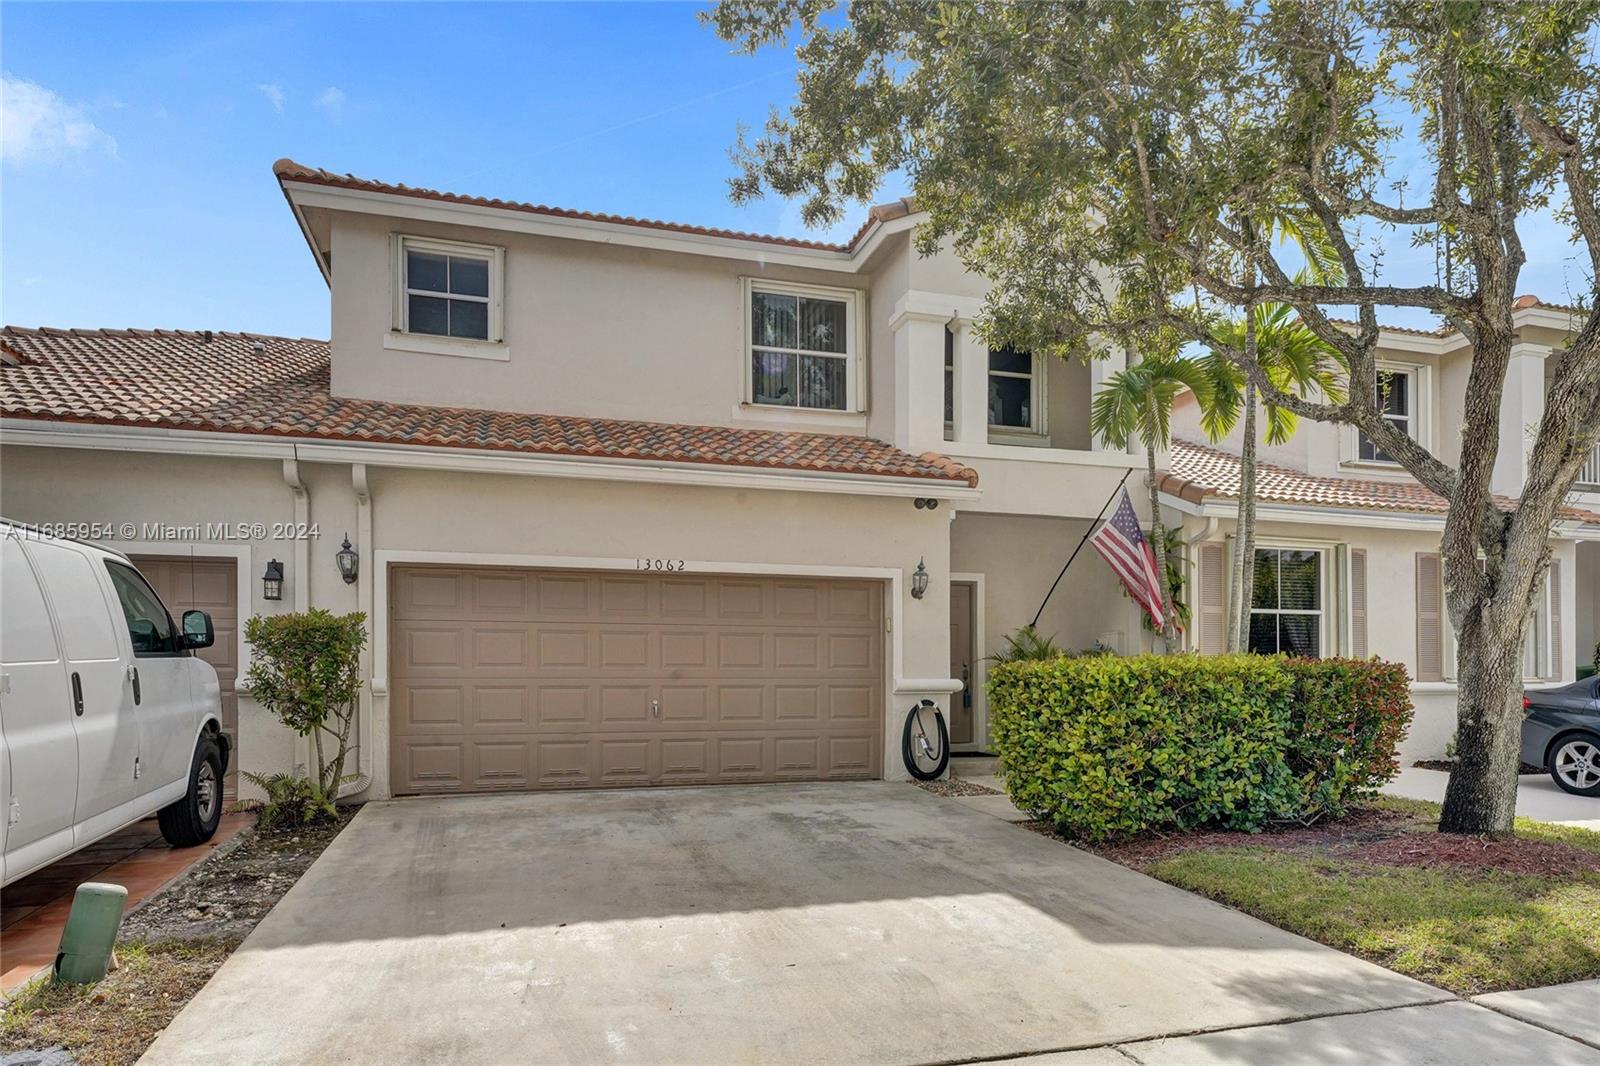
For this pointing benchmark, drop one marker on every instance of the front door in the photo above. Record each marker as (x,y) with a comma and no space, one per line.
(961,664)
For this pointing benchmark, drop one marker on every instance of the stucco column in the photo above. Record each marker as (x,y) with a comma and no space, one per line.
(1521,407)
(970,385)
(1100,370)
(919,378)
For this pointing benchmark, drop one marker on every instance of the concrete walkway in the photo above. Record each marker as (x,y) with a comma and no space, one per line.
(864,922)
(1537,797)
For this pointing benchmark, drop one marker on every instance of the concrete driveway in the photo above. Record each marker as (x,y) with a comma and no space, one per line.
(787,923)
(1538,797)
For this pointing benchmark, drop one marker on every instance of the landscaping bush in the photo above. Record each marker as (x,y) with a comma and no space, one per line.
(1104,746)
(1345,722)
(292,801)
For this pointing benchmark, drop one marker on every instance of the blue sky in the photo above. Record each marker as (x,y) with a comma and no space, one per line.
(139,141)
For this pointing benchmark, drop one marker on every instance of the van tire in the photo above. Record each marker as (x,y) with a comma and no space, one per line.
(192,820)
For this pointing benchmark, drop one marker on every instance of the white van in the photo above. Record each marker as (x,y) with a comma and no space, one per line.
(106,714)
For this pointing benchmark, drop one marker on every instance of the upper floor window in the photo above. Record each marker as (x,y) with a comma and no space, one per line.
(802,346)
(1013,398)
(1397,396)
(1286,612)
(448,289)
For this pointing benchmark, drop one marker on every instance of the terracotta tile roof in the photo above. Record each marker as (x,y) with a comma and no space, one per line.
(1199,471)
(287,170)
(243,383)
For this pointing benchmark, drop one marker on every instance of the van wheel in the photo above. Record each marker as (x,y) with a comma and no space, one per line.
(192,819)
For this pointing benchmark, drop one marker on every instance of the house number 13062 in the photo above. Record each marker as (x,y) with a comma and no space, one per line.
(658,564)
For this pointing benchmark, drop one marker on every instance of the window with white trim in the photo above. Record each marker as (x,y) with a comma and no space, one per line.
(802,346)
(1014,379)
(1536,664)
(1286,609)
(449,289)
(1397,399)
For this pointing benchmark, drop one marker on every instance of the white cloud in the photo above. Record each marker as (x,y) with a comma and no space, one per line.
(37,126)
(275,96)
(331,100)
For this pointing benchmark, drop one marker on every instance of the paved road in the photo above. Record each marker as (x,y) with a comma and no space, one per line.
(788,923)
(1537,796)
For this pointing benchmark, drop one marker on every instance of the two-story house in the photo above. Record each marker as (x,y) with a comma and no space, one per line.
(638,503)
(626,502)
(1347,553)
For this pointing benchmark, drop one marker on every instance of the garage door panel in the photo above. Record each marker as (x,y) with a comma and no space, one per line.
(508,679)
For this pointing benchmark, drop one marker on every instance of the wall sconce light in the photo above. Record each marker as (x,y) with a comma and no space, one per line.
(919,581)
(349,562)
(272,581)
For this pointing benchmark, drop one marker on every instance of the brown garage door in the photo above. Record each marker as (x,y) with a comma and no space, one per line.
(209,585)
(530,679)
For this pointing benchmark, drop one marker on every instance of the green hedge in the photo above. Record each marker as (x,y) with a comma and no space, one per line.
(1106,746)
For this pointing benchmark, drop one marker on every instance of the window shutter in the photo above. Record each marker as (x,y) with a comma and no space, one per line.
(1430,618)
(1213,620)
(1555,620)
(1358,603)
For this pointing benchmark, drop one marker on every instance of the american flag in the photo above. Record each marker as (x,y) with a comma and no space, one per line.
(1121,543)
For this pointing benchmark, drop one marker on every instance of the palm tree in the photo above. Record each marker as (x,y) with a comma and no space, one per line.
(1295,360)
(1137,403)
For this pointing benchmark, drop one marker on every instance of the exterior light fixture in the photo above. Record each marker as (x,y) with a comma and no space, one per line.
(272,581)
(919,581)
(349,562)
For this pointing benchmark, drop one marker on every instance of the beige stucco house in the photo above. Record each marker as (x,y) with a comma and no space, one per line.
(640,503)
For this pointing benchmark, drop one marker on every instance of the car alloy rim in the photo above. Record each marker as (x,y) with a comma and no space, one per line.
(206,791)
(1578,764)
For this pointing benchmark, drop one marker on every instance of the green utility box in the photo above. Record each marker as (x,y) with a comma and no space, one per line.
(91,933)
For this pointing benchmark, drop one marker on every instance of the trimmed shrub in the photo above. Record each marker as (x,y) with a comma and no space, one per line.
(1346,721)
(1106,746)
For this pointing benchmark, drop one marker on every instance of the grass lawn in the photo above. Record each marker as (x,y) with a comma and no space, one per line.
(1465,914)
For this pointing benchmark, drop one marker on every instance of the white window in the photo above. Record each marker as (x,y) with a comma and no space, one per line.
(448,289)
(1397,399)
(802,346)
(1014,387)
(1286,609)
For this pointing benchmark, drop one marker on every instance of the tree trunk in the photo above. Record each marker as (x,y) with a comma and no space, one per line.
(1481,797)
(1244,537)
(1158,544)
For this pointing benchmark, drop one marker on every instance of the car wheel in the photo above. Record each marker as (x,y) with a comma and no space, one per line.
(1575,764)
(191,820)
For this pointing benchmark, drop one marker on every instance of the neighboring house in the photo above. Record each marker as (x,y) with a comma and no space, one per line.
(1348,542)
(637,503)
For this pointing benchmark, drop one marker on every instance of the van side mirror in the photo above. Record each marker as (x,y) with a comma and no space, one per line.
(197,630)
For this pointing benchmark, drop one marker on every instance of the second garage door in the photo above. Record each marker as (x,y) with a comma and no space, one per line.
(532,679)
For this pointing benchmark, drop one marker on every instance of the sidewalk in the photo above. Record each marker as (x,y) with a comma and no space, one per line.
(1557,1026)
(1537,798)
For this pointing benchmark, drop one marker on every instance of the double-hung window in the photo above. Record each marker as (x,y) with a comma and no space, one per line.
(1286,608)
(1397,399)
(449,289)
(802,347)
(1013,398)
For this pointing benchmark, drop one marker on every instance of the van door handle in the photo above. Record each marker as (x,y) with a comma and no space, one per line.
(133,675)
(77,694)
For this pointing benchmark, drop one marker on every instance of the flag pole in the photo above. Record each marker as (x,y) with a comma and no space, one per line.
(1040,613)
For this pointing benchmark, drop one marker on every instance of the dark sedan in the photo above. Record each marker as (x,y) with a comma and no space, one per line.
(1562,734)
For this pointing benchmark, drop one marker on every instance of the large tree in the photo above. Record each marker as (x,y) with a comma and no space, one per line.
(1094,160)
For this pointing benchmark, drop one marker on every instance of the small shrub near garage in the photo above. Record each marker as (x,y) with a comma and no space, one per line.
(1103,746)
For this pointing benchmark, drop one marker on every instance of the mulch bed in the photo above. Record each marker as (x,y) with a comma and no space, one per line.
(956,786)
(170,948)
(1362,826)
(1445,766)
(1430,850)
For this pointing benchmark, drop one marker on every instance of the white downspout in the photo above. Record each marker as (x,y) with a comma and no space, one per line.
(364,587)
(1207,531)
(302,569)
